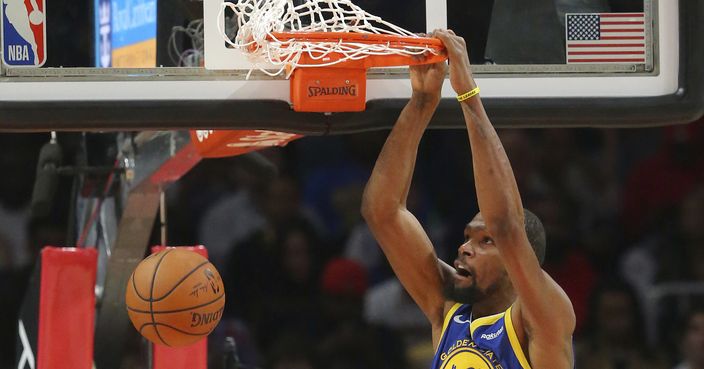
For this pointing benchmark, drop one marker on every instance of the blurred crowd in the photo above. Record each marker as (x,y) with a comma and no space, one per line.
(308,286)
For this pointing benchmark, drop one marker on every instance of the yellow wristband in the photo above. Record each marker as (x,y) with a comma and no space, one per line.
(468,95)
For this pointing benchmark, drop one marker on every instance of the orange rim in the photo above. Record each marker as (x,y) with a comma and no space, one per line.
(356,37)
(437,54)
(369,61)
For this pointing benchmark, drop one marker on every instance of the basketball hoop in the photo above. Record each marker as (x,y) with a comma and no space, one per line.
(325,47)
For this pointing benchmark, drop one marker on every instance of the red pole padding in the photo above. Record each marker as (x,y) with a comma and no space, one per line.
(66,308)
(194,356)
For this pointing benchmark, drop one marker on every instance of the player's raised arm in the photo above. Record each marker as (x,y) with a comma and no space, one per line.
(399,233)
(542,309)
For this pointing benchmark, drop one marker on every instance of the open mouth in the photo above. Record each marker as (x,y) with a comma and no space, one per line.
(462,271)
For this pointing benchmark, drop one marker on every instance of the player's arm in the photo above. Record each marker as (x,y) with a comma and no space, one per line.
(545,310)
(401,236)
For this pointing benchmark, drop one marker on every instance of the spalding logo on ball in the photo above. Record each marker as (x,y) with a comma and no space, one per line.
(175,297)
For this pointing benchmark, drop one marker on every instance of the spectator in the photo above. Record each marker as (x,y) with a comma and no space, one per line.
(389,305)
(290,351)
(615,338)
(199,191)
(346,341)
(692,345)
(255,206)
(275,274)
(671,253)
(649,200)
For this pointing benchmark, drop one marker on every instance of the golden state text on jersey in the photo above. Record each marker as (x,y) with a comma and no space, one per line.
(484,343)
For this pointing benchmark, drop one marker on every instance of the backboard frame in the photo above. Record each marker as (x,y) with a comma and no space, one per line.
(145,100)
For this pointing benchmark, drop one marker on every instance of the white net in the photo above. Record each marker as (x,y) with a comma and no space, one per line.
(259,20)
(187,56)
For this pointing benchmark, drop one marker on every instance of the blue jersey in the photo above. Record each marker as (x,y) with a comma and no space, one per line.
(488,342)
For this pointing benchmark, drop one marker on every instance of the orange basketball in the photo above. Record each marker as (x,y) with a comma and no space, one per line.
(175,297)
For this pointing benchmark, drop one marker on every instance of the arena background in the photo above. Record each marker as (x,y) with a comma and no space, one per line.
(623,209)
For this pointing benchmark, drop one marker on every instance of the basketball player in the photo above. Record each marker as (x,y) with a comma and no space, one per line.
(496,309)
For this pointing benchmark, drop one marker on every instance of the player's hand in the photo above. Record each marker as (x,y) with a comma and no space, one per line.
(460,69)
(427,79)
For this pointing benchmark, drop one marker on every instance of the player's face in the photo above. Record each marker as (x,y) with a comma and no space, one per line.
(479,270)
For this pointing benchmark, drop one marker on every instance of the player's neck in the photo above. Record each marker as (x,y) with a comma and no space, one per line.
(495,303)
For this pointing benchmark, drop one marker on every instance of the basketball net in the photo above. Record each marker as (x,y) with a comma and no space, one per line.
(274,32)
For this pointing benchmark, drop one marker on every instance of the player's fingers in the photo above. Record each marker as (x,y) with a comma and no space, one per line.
(451,44)
(442,35)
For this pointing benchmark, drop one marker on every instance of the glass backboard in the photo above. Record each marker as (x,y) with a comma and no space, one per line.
(169,55)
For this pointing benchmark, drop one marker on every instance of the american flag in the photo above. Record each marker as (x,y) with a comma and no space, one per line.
(605,38)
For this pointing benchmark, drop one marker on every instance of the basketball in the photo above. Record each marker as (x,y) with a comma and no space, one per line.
(175,297)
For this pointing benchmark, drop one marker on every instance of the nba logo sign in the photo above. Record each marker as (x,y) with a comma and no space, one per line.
(24,32)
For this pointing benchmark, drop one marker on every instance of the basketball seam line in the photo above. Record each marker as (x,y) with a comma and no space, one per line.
(176,311)
(151,294)
(134,286)
(179,282)
(172,289)
(174,328)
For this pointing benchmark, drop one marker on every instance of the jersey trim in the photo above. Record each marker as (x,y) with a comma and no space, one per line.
(485,320)
(448,316)
(446,323)
(513,339)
